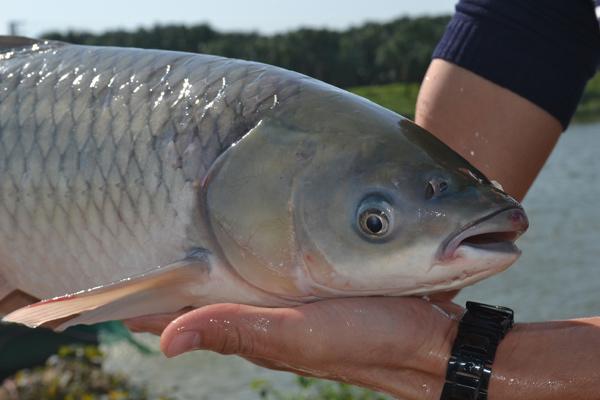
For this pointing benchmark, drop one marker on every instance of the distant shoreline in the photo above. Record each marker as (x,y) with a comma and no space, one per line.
(390,57)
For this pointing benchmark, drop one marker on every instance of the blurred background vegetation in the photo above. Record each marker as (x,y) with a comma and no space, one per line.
(384,62)
(73,373)
(374,53)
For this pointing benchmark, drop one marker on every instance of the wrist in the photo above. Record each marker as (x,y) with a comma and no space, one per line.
(480,332)
(548,361)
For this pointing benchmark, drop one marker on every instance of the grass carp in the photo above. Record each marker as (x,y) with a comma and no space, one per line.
(135,182)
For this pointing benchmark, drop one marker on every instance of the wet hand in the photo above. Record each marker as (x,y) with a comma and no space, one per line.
(395,345)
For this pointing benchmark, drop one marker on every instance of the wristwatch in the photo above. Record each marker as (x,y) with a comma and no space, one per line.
(480,331)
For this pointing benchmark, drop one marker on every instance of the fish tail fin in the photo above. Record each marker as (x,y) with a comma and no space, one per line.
(164,289)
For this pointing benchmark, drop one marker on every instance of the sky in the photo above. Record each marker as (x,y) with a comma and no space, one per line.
(266,16)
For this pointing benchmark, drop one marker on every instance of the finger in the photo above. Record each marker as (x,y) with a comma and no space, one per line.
(227,329)
(154,324)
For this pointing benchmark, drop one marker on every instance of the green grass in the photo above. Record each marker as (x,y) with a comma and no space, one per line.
(589,107)
(402,97)
(398,97)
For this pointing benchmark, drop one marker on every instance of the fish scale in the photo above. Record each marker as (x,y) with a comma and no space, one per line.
(101,150)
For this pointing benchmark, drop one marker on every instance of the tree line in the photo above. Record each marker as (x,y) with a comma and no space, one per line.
(374,53)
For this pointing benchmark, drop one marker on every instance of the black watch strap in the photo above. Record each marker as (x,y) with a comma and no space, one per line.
(480,331)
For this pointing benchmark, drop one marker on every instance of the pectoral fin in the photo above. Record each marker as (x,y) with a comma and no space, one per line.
(164,289)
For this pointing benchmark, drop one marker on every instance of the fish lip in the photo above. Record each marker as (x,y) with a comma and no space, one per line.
(495,222)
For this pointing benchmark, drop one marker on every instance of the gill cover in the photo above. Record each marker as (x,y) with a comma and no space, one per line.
(250,205)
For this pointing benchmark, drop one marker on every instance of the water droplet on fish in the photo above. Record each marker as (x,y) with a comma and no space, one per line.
(497,185)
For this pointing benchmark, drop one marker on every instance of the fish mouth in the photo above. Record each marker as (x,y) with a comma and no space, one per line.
(495,232)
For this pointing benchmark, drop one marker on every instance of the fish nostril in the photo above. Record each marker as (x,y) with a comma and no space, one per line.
(435,187)
(442,186)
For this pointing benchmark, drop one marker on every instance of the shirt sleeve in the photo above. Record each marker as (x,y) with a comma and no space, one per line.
(542,50)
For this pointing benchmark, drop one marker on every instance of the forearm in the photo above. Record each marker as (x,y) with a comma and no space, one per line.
(507,137)
(542,361)
(535,56)
(548,361)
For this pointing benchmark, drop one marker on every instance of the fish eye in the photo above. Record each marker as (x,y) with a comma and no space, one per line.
(374,222)
(374,218)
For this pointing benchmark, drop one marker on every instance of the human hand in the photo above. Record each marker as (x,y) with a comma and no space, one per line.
(395,345)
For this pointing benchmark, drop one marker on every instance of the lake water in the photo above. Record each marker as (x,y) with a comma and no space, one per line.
(558,276)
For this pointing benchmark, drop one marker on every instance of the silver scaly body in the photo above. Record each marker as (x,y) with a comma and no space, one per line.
(102,152)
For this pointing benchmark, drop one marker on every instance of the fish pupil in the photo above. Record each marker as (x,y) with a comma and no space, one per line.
(374,224)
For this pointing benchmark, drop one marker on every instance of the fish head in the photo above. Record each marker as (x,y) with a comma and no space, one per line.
(398,213)
(357,203)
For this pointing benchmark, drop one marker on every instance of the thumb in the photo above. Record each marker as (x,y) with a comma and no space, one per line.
(311,334)
(235,329)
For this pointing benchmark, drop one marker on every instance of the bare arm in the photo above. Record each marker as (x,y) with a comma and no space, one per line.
(548,361)
(507,137)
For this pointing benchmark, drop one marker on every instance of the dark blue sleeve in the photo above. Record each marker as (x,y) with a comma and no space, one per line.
(542,50)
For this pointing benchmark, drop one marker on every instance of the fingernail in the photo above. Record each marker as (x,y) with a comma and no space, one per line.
(182,342)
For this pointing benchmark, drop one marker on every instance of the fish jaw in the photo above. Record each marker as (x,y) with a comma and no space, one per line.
(468,266)
(478,250)
(495,232)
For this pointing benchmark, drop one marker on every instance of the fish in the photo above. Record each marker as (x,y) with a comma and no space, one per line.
(136,182)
